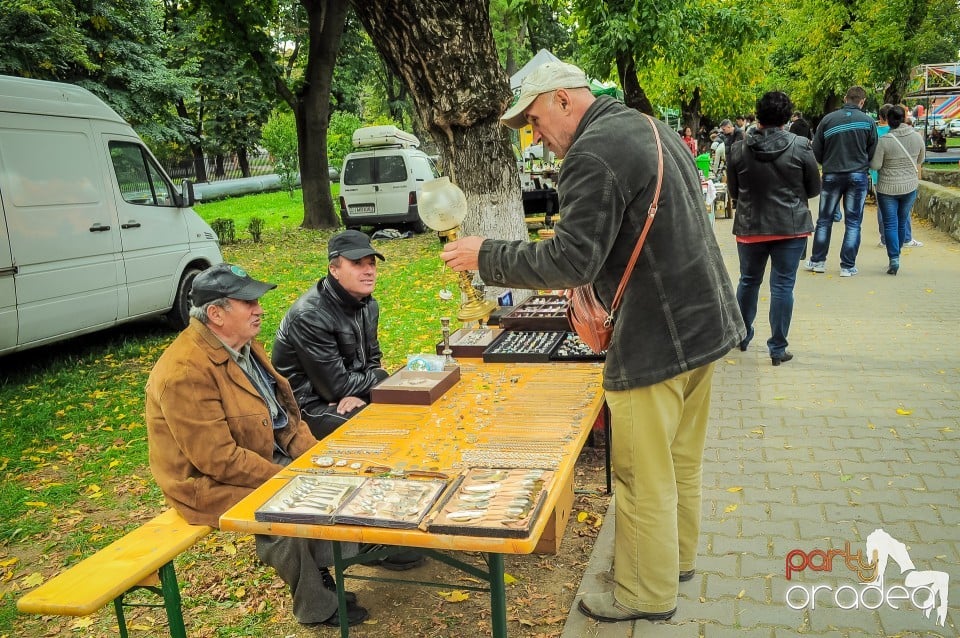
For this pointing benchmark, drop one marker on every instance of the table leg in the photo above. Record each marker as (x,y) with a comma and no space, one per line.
(341,590)
(498,596)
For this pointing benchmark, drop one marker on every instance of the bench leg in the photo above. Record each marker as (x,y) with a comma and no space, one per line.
(121,620)
(171,601)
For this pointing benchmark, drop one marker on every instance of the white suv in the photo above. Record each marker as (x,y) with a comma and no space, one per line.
(380,182)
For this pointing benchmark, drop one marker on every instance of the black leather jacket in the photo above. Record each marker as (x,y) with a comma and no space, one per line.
(327,345)
(771,175)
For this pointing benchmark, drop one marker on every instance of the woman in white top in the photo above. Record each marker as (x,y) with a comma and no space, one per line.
(897,161)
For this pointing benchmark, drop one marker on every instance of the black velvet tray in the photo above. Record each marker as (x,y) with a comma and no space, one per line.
(515,346)
(571,348)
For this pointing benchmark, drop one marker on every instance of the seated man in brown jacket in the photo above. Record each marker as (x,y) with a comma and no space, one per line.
(221,421)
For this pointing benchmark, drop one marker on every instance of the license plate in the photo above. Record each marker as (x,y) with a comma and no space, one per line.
(365,208)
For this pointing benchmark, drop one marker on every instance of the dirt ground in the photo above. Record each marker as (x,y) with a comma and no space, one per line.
(227,592)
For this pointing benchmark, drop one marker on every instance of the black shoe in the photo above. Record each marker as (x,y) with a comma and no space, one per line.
(783,358)
(403,561)
(331,584)
(892,270)
(687,575)
(355,615)
(743,346)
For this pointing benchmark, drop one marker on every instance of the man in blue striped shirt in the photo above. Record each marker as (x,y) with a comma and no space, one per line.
(844,144)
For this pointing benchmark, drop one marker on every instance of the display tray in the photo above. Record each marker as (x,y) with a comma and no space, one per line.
(390,502)
(539,312)
(493,502)
(572,348)
(523,347)
(309,499)
(497,315)
(470,343)
(414,386)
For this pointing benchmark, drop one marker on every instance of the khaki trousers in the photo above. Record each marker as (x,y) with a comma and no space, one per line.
(658,434)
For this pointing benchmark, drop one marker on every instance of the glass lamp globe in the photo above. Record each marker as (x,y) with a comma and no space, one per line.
(443,207)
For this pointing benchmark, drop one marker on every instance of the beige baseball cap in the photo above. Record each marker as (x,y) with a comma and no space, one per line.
(546,77)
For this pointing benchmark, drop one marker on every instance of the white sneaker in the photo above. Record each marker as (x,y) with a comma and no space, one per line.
(815,266)
(914,243)
(848,272)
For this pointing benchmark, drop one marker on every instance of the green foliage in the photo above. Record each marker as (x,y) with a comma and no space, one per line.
(255,228)
(340,136)
(279,137)
(40,39)
(225,229)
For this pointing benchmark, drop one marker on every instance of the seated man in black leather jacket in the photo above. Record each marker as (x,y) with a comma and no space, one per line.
(327,346)
(327,343)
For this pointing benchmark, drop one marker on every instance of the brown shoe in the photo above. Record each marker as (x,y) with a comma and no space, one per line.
(605,608)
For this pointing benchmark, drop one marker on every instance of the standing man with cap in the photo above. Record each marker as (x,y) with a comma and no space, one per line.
(327,346)
(678,316)
(221,421)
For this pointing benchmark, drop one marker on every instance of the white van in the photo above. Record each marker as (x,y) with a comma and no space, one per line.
(92,231)
(380,184)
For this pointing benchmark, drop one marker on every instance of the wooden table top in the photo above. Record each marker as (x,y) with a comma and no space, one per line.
(548,406)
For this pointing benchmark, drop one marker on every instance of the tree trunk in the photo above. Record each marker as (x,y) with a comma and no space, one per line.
(196,150)
(243,161)
(443,51)
(690,111)
(312,110)
(218,168)
(633,94)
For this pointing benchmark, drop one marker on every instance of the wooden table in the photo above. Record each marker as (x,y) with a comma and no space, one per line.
(491,403)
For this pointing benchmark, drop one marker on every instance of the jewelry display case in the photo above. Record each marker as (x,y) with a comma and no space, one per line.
(539,312)
(523,346)
(493,502)
(470,343)
(572,348)
(309,499)
(414,387)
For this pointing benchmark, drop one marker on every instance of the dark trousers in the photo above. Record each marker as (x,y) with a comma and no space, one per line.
(784,256)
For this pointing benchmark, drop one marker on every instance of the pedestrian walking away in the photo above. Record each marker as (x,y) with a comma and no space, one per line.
(772,174)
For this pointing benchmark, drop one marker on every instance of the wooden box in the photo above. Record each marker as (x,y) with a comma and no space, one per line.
(413,387)
(469,343)
(549,542)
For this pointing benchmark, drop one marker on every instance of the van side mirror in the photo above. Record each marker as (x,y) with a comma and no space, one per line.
(187,197)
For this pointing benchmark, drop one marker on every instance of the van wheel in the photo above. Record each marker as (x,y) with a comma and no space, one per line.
(179,315)
(418,227)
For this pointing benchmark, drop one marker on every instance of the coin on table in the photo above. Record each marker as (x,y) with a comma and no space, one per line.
(322,461)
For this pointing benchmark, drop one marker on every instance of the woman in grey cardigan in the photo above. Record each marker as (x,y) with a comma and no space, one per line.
(897,161)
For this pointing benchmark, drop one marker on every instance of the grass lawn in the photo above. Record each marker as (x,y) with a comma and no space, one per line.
(73,446)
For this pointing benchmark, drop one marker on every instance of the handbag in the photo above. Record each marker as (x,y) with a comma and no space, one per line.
(585,312)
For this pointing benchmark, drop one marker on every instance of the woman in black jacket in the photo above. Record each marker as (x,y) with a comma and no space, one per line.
(771,174)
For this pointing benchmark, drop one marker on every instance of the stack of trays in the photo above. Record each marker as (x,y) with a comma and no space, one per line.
(539,312)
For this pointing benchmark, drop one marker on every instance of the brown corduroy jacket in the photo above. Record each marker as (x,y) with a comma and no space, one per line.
(209,431)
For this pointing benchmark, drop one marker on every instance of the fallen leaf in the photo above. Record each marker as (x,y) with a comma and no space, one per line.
(508,579)
(35,504)
(82,623)
(903,412)
(456,596)
(735,489)
(871,426)
(947,429)
(730,508)
(741,594)
(32,580)
(845,477)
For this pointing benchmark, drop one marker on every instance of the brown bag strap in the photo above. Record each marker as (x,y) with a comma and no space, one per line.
(651,213)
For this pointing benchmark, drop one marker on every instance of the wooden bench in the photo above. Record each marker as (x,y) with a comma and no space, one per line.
(141,559)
